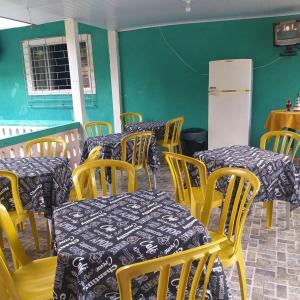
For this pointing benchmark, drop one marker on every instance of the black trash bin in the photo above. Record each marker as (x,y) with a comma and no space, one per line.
(193,140)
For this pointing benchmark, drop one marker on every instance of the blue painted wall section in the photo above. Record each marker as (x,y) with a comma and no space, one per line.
(159,86)
(13,92)
(154,80)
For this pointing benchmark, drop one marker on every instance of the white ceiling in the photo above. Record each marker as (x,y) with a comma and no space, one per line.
(131,14)
(8,23)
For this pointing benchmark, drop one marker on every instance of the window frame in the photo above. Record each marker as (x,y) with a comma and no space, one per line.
(53,41)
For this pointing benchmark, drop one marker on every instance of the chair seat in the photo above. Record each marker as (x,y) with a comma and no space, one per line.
(35,281)
(17,219)
(198,196)
(166,145)
(72,195)
(226,254)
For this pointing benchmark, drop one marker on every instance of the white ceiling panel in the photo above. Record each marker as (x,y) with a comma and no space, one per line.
(131,14)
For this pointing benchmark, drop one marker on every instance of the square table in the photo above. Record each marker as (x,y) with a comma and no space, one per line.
(158,128)
(277,173)
(93,238)
(112,149)
(44,183)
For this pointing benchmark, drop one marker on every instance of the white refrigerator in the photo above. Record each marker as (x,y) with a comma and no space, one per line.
(229,102)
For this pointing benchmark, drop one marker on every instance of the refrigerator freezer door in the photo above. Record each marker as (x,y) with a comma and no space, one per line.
(229,119)
(230,75)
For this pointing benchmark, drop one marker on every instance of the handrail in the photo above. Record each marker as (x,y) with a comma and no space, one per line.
(36,123)
(13,140)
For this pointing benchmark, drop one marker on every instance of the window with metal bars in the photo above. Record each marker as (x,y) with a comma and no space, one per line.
(47,66)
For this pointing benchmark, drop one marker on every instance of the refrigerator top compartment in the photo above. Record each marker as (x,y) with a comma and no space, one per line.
(229,107)
(230,75)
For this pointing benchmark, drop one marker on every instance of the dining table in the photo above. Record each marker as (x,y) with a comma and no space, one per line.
(111,148)
(95,237)
(276,172)
(44,183)
(279,119)
(157,127)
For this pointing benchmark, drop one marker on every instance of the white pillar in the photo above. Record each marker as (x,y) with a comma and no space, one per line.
(71,27)
(113,46)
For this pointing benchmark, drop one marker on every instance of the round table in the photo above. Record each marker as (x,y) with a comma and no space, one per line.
(279,119)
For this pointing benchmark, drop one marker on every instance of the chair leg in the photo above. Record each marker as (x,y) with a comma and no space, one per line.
(136,185)
(269,213)
(15,261)
(179,148)
(1,239)
(242,274)
(20,227)
(288,214)
(148,176)
(48,236)
(154,181)
(122,177)
(34,230)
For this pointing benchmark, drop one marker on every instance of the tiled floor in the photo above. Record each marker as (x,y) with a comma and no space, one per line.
(272,256)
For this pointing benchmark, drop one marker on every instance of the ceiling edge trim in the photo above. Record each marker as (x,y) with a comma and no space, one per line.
(206,21)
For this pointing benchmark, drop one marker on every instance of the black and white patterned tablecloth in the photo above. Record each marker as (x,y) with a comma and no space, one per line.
(112,149)
(44,183)
(157,127)
(278,176)
(93,238)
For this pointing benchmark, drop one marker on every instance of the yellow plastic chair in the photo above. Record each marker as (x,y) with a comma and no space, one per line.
(93,156)
(34,279)
(139,143)
(186,194)
(171,139)
(46,147)
(97,128)
(130,118)
(204,256)
(101,168)
(242,187)
(284,142)
(19,214)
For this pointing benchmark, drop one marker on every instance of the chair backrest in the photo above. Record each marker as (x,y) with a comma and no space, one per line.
(103,169)
(139,143)
(46,147)
(8,289)
(180,167)
(6,225)
(13,179)
(85,183)
(203,256)
(241,186)
(129,118)
(283,141)
(97,128)
(173,130)
(94,154)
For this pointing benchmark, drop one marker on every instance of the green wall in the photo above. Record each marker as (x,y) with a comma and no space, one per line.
(158,85)
(13,93)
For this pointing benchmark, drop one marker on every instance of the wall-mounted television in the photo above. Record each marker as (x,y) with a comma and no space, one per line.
(286,33)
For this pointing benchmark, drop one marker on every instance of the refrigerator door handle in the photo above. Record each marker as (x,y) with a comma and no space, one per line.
(229,91)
